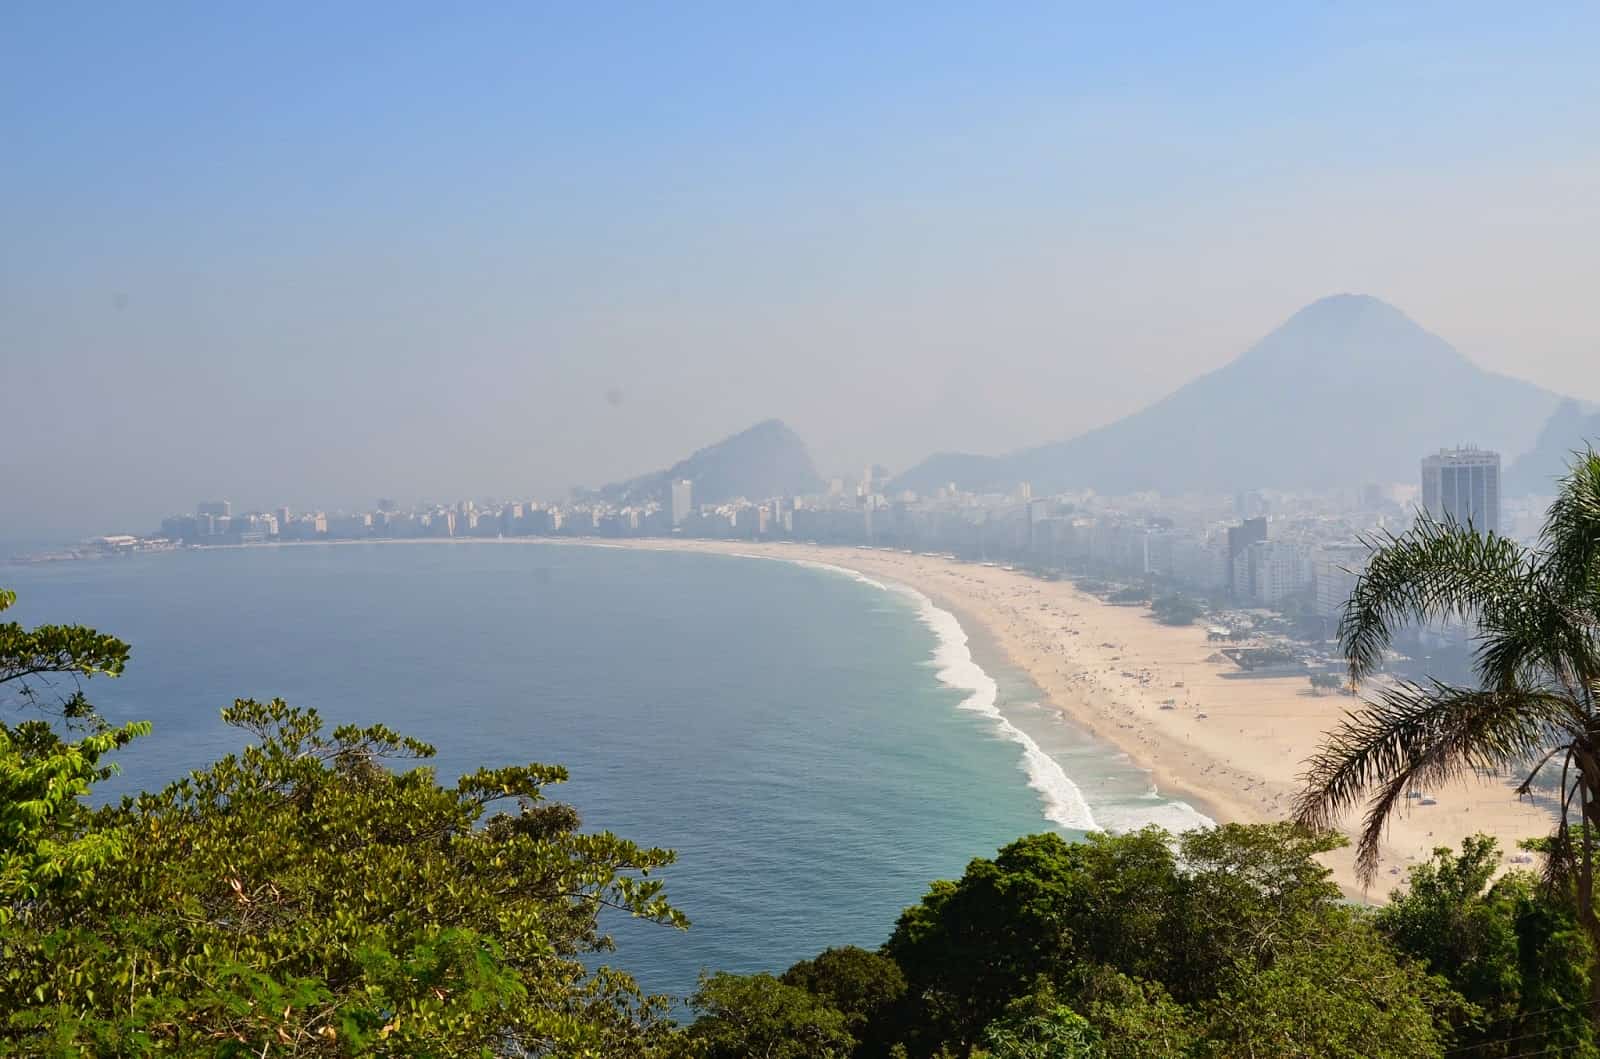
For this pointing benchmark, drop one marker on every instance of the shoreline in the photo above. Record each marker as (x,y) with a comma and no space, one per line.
(1169,788)
(1232,749)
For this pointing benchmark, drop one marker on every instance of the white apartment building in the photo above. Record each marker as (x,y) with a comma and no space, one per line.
(1463,486)
(1335,568)
(1278,569)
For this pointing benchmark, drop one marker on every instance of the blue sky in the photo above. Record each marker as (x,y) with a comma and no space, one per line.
(314,253)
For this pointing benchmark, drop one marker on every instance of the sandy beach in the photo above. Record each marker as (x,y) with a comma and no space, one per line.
(1233,748)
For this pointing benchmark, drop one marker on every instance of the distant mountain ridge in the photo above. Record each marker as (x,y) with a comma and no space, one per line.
(1348,389)
(766,460)
(1569,429)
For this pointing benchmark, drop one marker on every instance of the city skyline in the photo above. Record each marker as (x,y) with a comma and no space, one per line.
(774,440)
(678,499)
(459,250)
(1283,551)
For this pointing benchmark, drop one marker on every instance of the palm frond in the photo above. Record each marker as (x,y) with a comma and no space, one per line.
(1542,643)
(1434,571)
(1420,735)
(1562,749)
(1570,539)
(1560,859)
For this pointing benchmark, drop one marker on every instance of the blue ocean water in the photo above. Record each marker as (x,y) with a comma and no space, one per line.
(816,746)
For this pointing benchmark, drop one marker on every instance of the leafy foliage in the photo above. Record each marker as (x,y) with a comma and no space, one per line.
(299,897)
(1344,996)
(1039,1027)
(863,986)
(1537,616)
(1517,958)
(45,851)
(322,894)
(1177,610)
(1225,942)
(1326,682)
(757,1015)
(36,666)
(1193,948)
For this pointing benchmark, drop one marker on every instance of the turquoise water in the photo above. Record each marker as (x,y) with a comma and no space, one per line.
(817,747)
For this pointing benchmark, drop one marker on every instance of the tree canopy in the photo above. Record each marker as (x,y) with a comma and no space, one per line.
(322,893)
(300,895)
(316,893)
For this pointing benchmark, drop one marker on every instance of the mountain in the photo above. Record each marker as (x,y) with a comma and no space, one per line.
(1348,389)
(766,460)
(1569,429)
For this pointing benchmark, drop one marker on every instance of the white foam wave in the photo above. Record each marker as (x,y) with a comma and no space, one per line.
(1063,802)
(1172,816)
(854,575)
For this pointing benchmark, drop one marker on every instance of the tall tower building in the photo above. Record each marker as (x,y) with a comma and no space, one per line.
(1238,571)
(1463,486)
(682,500)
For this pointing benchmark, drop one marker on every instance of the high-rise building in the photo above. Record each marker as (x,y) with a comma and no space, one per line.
(1249,504)
(1463,486)
(1337,567)
(1278,570)
(215,508)
(1238,573)
(682,500)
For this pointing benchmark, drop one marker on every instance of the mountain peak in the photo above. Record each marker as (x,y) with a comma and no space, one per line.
(766,426)
(764,460)
(1353,332)
(1347,389)
(1347,305)
(1351,313)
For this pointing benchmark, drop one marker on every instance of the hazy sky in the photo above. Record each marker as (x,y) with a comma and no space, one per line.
(314,254)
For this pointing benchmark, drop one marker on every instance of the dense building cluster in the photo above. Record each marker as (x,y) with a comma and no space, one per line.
(1266,549)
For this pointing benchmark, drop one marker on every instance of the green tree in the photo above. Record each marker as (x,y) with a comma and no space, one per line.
(741,1016)
(300,898)
(1537,615)
(1038,1026)
(1229,941)
(50,758)
(35,663)
(1339,992)
(1247,894)
(1177,610)
(1039,908)
(1514,954)
(1326,682)
(1136,1019)
(863,986)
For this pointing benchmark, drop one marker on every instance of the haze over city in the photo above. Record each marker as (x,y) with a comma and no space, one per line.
(400,251)
(811,531)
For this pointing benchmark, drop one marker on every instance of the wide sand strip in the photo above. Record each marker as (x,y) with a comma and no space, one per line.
(1234,748)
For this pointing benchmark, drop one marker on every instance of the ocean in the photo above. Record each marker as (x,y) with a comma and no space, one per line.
(817,746)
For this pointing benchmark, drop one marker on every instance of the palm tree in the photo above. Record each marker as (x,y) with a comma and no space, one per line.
(1537,615)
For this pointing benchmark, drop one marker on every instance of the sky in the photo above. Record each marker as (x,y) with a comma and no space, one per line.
(317,254)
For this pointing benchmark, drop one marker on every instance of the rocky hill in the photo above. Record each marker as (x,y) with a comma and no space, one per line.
(768,459)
